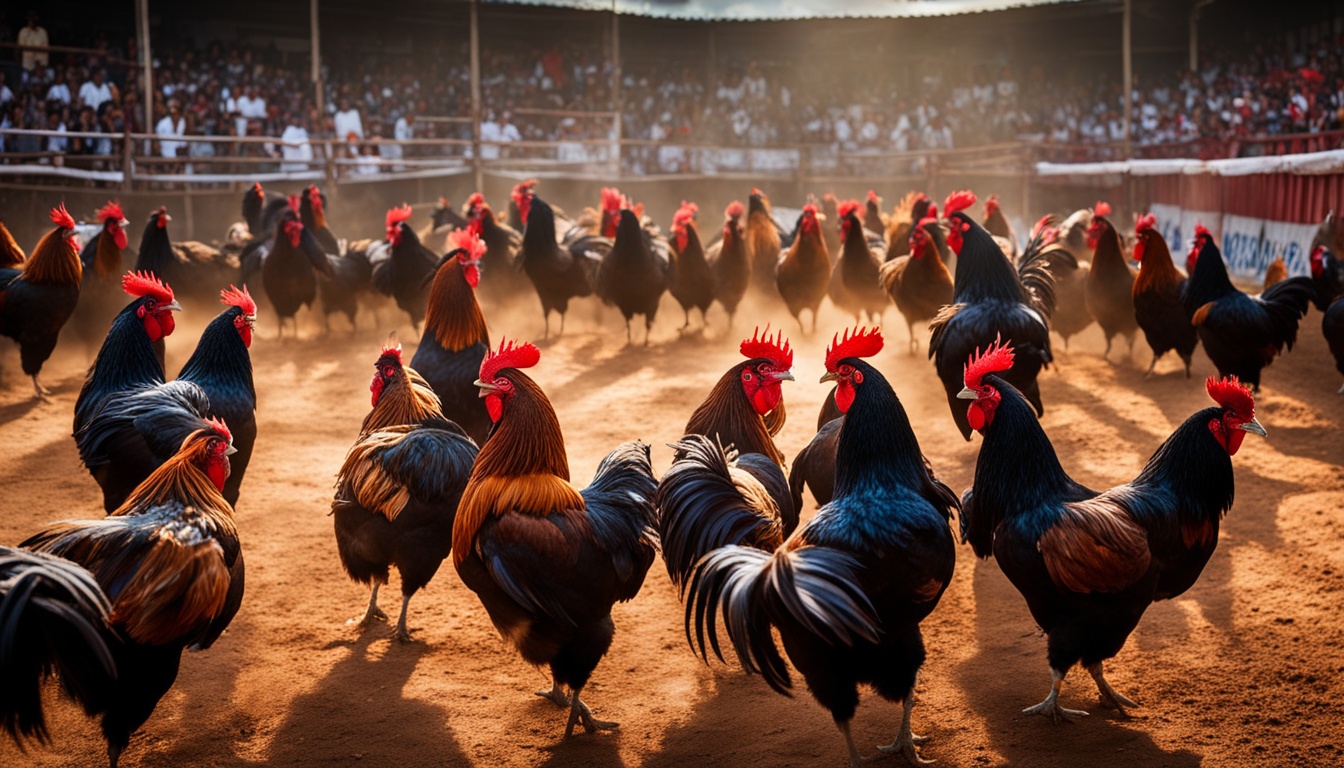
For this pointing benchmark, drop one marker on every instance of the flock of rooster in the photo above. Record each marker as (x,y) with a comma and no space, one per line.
(462,454)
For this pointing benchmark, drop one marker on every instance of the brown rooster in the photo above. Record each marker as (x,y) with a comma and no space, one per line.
(1276,272)
(730,261)
(171,564)
(549,561)
(40,295)
(873,219)
(692,280)
(1157,297)
(912,209)
(996,224)
(804,272)
(11,254)
(727,484)
(1110,283)
(919,282)
(763,243)
(855,286)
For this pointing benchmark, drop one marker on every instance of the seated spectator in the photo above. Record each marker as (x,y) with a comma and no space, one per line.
(348,122)
(170,125)
(296,149)
(95,92)
(59,90)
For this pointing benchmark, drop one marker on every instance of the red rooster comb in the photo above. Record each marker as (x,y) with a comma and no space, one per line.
(991,205)
(873,198)
(1202,231)
(996,358)
(111,212)
(1041,223)
(444,203)
(734,210)
(475,201)
(241,299)
(756,192)
(314,194)
(1102,208)
(522,189)
(62,218)
(958,201)
(829,197)
(146,284)
(1231,394)
(509,355)
(1145,223)
(391,348)
(294,203)
(860,343)
(612,200)
(397,215)
(847,207)
(684,215)
(258,191)
(466,240)
(775,350)
(932,212)
(220,427)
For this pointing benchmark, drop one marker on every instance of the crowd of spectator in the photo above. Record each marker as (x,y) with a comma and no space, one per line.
(564,93)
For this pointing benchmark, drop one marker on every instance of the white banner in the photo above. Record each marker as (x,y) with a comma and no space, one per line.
(1292,242)
(1241,246)
(1249,245)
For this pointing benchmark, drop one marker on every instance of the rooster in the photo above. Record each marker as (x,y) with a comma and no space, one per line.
(1241,334)
(313,214)
(222,368)
(455,338)
(873,219)
(633,275)
(847,591)
(692,282)
(171,564)
(402,267)
(559,271)
(546,560)
(398,490)
(127,358)
(501,249)
(763,241)
(11,253)
(38,297)
(730,261)
(442,220)
(918,282)
(855,286)
(53,619)
(100,292)
(262,209)
(1157,297)
(518,197)
(991,299)
(909,212)
(1327,275)
(996,224)
(1071,315)
(804,270)
(1109,290)
(727,484)
(290,270)
(1089,564)
(830,216)
(1276,272)
(196,269)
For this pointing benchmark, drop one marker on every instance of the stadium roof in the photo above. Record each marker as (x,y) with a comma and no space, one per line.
(765,10)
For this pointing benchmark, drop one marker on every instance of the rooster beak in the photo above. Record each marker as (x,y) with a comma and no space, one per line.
(1253,426)
(486,387)
(174,307)
(230,450)
(967,393)
(783,375)
(829,376)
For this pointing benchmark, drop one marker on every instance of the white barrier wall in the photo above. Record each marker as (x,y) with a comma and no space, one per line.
(1249,245)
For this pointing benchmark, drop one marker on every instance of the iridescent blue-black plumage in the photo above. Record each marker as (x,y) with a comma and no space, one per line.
(222,367)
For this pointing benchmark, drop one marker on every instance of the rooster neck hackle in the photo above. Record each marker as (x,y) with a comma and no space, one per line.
(11,254)
(521,469)
(407,399)
(181,479)
(1156,269)
(727,414)
(54,261)
(453,315)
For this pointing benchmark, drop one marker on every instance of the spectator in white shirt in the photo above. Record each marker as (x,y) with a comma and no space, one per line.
(296,150)
(57,143)
(33,35)
(491,135)
(172,124)
(251,107)
(347,121)
(508,131)
(96,91)
(59,91)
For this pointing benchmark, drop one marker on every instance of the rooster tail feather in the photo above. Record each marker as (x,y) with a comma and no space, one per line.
(814,589)
(621,511)
(1286,302)
(701,508)
(52,619)
(1033,269)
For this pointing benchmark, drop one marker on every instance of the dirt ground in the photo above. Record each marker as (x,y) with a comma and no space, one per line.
(1244,669)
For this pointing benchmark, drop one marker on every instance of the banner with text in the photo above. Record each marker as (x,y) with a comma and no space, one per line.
(1249,245)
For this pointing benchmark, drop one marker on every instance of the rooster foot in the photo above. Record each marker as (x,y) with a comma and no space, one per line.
(1339,391)
(41,392)
(556,696)
(580,711)
(402,635)
(1051,707)
(372,616)
(905,746)
(1110,698)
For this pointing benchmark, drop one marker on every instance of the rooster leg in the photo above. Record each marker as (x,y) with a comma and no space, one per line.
(374,613)
(113,755)
(688,318)
(648,328)
(546,316)
(628,339)
(403,634)
(855,760)
(1051,704)
(1151,366)
(1107,354)
(1339,391)
(1109,697)
(41,391)
(580,711)
(556,695)
(1187,370)
(914,343)
(906,740)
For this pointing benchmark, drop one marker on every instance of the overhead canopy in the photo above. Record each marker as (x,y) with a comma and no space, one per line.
(765,10)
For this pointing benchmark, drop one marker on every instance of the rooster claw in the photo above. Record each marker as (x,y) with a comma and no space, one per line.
(41,392)
(555,696)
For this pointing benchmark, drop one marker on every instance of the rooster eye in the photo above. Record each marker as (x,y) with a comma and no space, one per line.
(746,375)
(151,305)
